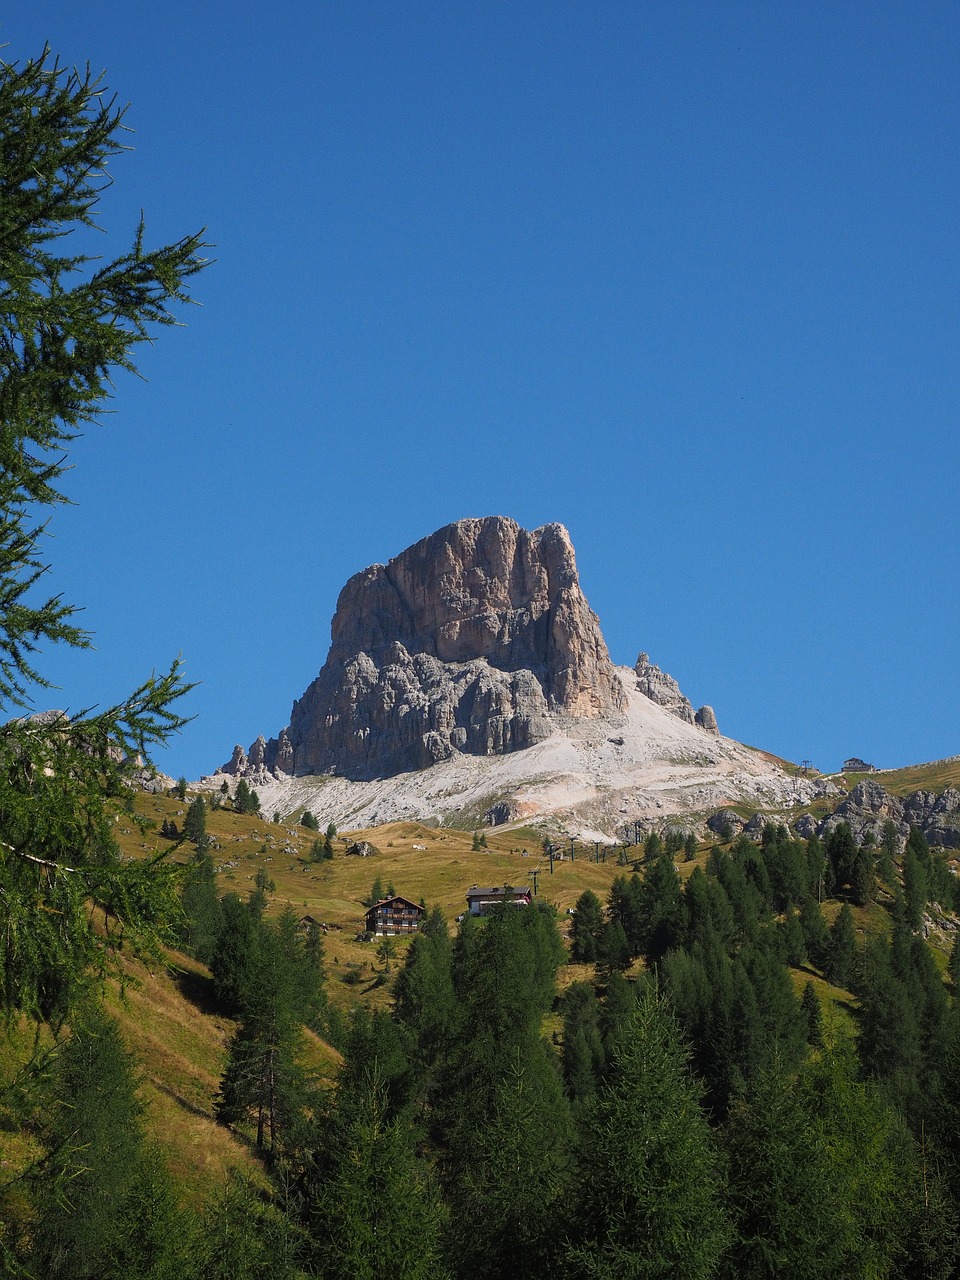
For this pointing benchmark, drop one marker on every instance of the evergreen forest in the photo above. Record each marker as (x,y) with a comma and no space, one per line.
(728,1086)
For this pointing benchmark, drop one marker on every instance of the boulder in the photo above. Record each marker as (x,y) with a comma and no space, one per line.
(753,827)
(360,849)
(805,826)
(707,720)
(725,820)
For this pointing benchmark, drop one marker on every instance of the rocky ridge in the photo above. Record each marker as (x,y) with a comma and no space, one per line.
(869,806)
(866,809)
(591,778)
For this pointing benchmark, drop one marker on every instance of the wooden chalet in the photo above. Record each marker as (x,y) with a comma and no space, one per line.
(481,900)
(394,915)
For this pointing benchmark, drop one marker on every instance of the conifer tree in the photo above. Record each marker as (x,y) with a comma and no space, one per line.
(584,1059)
(784,1026)
(780,1191)
(316,853)
(889,1036)
(502,1115)
(614,949)
(816,867)
(722,916)
(236,954)
(377,1048)
(658,908)
(374,1209)
(813,1014)
(424,1000)
(841,854)
(97,1166)
(376,893)
(623,909)
(243,1235)
(262,886)
(587,928)
(195,823)
(202,917)
(650,1191)
(794,943)
(241,797)
(868,1161)
(615,1011)
(842,956)
(697,917)
(68,323)
(946,1117)
(863,876)
(889,848)
(262,1079)
(953,964)
(915,885)
(743,898)
(816,934)
(918,845)
(786,861)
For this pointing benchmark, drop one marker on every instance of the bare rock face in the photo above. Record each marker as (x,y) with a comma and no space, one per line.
(665,692)
(706,718)
(869,807)
(469,641)
(662,689)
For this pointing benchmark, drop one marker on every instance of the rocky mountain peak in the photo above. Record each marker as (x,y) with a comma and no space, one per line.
(474,640)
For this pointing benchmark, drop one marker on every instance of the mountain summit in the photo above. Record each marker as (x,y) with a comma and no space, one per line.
(473,640)
(468,680)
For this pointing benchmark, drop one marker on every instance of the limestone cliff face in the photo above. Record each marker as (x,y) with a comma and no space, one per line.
(665,692)
(469,641)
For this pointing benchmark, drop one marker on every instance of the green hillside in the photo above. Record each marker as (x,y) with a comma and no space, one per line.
(172,1017)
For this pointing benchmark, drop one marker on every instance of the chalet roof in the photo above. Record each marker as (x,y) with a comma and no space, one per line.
(396,898)
(498,891)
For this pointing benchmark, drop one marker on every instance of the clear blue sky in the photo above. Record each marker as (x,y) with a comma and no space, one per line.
(681,276)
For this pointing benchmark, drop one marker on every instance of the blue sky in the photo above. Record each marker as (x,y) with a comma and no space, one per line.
(682,277)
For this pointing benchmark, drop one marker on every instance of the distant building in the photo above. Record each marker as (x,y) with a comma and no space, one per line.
(481,900)
(393,916)
(856,765)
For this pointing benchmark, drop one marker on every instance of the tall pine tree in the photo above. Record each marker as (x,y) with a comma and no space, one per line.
(69,321)
(649,1202)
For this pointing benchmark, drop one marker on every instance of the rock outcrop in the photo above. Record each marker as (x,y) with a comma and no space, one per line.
(869,807)
(665,692)
(474,640)
(706,718)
